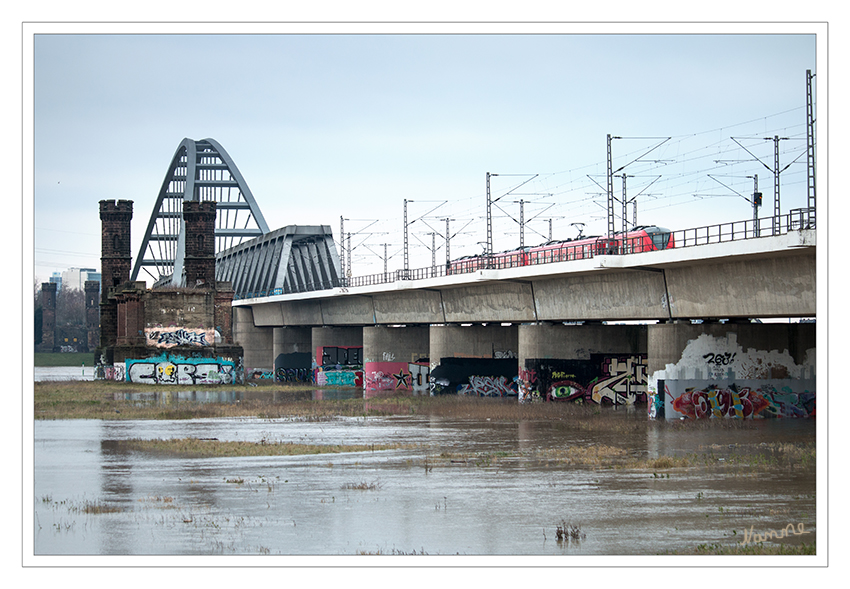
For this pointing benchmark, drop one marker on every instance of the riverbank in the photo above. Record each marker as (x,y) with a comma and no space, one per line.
(114,400)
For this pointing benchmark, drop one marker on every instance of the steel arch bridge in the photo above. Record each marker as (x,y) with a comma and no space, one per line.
(199,171)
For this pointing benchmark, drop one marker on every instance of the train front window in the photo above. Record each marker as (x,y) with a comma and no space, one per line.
(660,239)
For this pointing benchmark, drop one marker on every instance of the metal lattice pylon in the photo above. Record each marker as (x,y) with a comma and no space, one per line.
(199,171)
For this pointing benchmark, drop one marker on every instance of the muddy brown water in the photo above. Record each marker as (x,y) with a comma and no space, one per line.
(491,494)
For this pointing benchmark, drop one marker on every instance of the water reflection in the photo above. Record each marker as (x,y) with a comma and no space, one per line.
(162,396)
(491,492)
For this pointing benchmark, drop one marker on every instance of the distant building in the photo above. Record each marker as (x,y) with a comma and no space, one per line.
(76,278)
(69,338)
(56,279)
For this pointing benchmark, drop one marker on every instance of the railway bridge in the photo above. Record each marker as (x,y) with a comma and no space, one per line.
(687,329)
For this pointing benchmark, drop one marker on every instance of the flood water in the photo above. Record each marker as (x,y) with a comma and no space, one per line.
(495,496)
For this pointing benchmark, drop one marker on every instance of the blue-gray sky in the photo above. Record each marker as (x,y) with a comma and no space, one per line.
(330,125)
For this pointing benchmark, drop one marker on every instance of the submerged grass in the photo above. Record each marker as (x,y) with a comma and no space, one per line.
(717,549)
(200,448)
(109,400)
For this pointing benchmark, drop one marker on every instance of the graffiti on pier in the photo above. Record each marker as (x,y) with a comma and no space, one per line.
(168,337)
(489,386)
(618,379)
(294,367)
(342,378)
(339,366)
(294,375)
(717,377)
(489,377)
(527,386)
(419,372)
(114,372)
(385,376)
(339,356)
(744,399)
(168,369)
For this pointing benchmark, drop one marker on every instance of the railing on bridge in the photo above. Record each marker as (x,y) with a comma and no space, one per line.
(795,220)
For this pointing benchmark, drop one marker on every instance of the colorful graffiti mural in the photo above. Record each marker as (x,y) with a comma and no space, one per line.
(390,376)
(617,379)
(742,399)
(339,366)
(717,377)
(174,369)
(340,378)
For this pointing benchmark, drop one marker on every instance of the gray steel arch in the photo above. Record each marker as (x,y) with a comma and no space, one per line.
(200,170)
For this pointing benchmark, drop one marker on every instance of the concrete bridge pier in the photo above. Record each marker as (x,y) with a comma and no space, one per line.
(396,357)
(473,359)
(293,354)
(591,362)
(472,341)
(337,337)
(338,355)
(732,369)
(257,342)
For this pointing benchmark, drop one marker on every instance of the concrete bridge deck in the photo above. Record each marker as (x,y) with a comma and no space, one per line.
(773,276)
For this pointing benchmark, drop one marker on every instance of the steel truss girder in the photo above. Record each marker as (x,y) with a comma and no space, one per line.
(287,260)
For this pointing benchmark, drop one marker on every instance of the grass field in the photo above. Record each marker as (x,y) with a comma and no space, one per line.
(71,359)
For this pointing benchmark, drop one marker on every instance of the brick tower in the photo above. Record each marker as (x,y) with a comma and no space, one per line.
(114,263)
(48,317)
(199,260)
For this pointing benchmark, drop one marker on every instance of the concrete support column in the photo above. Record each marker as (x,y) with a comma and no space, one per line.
(592,363)
(289,340)
(338,356)
(257,342)
(732,370)
(477,360)
(473,341)
(339,337)
(668,341)
(293,354)
(396,358)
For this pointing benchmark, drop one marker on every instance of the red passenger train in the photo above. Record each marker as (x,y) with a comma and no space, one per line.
(639,239)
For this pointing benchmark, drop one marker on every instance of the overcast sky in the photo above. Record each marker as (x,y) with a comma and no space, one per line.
(330,125)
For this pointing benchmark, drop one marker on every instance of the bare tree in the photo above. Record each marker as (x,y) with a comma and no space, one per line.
(70,307)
